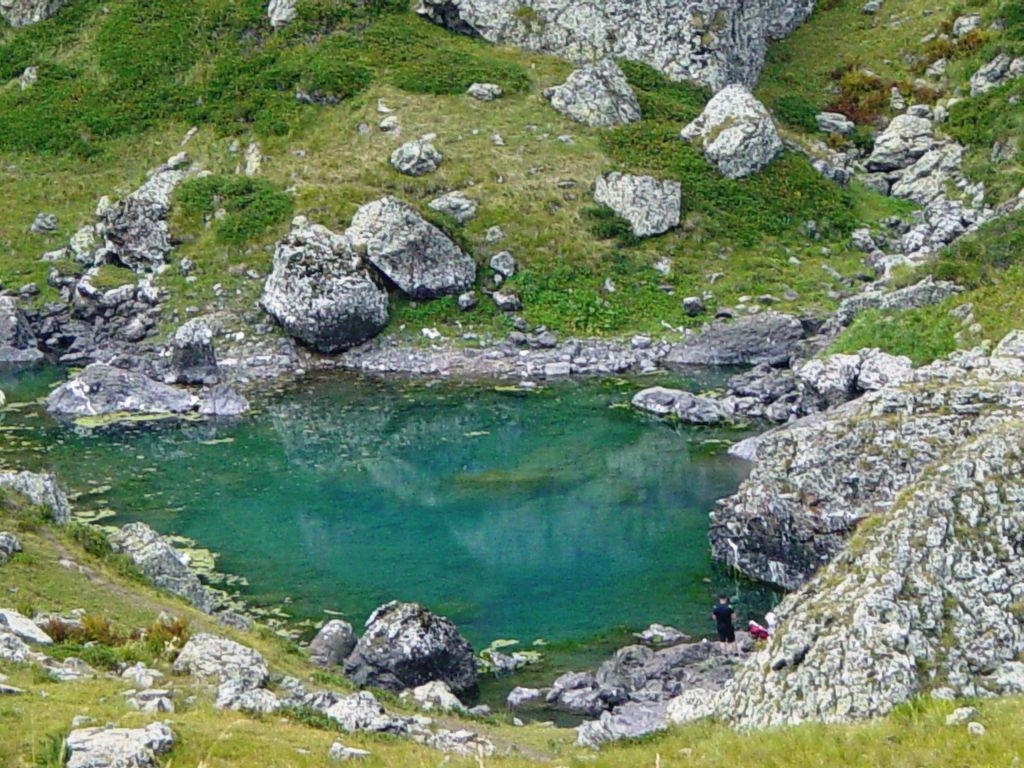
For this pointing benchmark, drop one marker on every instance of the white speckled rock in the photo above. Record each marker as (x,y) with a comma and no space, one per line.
(108,747)
(651,206)
(21,13)
(735,133)
(596,95)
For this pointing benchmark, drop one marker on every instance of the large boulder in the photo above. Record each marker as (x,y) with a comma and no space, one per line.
(40,490)
(21,13)
(17,342)
(650,206)
(332,644)
(161,563)
(769,337)
(903,141)
(103,390)
(410,251)
(405,646)
(320,292)
(596,95)
(714,42)
(735,133)
(193,359)
(110,747)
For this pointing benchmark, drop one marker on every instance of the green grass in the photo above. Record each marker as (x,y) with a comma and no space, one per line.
(251,206)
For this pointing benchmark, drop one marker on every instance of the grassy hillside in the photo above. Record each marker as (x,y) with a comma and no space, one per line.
(128,78)
(62,569)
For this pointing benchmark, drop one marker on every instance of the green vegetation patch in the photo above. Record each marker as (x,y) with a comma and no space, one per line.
(661,98)
(921,334)
(251,206)
(450,72)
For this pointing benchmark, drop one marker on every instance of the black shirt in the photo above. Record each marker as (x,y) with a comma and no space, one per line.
(723,614)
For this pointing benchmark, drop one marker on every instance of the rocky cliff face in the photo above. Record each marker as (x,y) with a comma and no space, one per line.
(817,478)
(715,42)
(928,598)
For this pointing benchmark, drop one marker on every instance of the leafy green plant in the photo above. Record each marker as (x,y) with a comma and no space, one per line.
(251,205)
(605,224)
(797,112)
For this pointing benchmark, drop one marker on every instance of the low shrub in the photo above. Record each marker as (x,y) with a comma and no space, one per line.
(445,71)
(606,225)
(252,206)
(661,98)
(796,112)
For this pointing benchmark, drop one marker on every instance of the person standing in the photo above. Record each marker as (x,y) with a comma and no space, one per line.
(723,614)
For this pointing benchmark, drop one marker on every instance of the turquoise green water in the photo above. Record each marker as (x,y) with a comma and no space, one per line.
(558,515)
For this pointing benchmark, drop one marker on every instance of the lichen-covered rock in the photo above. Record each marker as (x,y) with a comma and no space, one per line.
(109,747)
(735,133)
(921,294)
(484,91)
(769,337)
(280,12)
(161,563)
(596,95)
(221,401)
(23,628)
(417,158)
(405,645)
(435,696)
(41,490)
(193,358)
(456,205)
(18,345)
(651,206)
(21,13)
(817,478)
(926,597)
(134,230)
(830,380)
(998,71)
(320,292)
(103,390)
(332,644)
(410,251)
(903,141)
(236,668)
(714,42)
(686,406)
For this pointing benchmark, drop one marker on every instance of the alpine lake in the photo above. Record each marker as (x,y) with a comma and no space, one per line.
(557,521)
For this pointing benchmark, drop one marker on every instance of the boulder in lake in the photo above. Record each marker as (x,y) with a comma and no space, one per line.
(597,95)
(103,390)
(320,292)
(17,342)
(651,206)
(735,133)
(109,747)
(405,646)
(410,251)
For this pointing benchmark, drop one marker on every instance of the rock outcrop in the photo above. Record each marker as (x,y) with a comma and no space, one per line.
(332,644)
(9,545)
(41,490)
(320,292)
(161,563)
(596,95)
(410,251)
(769,337)
(280,12)
(417,158)
(18,345)
(21,13)
(816,479)
(735,133)
(715,42)
(903,141)
(405,646)
(651,206)
(193,359)
(103,390)
(926,598)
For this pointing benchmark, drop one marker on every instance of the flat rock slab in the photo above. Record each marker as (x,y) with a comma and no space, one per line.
(22,627)
(651,206)
(103,390)
(108,747)
(769,337)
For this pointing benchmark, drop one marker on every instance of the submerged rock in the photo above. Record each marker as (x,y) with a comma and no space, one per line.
(109,747)
(713,43)
(161,563)
(405,646)
(650,206)
(18,345)
(735,133)
(410,251)
(596,95)
(103,390)
(320,292)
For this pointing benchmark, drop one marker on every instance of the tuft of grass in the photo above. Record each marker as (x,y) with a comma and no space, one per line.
(251,206)
(796,111)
